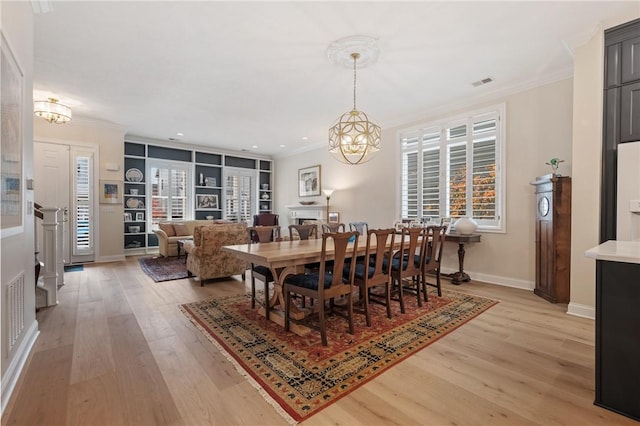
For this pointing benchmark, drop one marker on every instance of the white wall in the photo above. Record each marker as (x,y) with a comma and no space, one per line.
(539,126)
(587,168)
(17,249)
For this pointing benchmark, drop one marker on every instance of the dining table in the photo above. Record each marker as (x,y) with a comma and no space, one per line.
(286,258)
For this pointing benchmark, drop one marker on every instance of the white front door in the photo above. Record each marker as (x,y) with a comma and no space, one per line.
(58,170)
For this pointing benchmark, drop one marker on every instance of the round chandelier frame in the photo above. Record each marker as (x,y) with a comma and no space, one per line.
(353,138)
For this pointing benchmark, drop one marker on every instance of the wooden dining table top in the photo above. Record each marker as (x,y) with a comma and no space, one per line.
(293,252)
(285,253)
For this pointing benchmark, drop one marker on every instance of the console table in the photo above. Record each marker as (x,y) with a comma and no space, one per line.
(460,277)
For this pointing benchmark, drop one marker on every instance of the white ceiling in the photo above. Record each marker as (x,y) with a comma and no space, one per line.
(236,75)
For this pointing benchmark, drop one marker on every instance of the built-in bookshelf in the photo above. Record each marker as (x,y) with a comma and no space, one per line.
(208,195)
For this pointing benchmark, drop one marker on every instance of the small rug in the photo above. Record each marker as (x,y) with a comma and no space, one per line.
(73,268)
(299,376)
(164,268)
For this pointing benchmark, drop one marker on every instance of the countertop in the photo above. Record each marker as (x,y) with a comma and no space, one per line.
(616,251)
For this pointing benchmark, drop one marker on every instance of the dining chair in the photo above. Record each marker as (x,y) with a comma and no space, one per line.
(265,219)
(361,227)
(304,232)
(262,234)
(406,264)
(370,272)
(333,227)
(431,263)
(326,284)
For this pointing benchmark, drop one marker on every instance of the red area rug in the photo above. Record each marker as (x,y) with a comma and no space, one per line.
(299,376)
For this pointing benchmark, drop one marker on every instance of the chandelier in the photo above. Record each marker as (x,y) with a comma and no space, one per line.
(52,111)
(353,139)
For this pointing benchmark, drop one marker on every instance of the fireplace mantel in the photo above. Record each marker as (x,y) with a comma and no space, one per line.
(298,212)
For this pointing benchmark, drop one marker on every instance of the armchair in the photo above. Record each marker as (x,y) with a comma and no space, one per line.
(205,257)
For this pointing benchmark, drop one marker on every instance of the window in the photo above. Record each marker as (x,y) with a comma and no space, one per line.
(169,188)
(240,202)
(454,168)
(82,205)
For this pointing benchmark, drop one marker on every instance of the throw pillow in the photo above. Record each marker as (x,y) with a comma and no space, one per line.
(168,229)
(181,229)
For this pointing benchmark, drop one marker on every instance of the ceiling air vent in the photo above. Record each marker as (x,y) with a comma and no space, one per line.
(481,82)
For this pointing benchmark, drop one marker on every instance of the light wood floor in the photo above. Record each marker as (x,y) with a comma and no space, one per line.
(117,351)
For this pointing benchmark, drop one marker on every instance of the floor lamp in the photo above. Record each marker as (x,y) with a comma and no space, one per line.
(328,193)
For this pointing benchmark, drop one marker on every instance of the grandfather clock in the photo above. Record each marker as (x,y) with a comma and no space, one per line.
(553,237)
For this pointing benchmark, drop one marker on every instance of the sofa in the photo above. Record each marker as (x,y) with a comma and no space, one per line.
(170,232)
(205,257)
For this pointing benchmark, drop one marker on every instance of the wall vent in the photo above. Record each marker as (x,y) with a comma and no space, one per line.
(15,306)
(482,82)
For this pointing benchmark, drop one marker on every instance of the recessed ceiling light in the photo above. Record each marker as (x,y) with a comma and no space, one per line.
(254,146)
(304,138)
(282,146)
(180,134)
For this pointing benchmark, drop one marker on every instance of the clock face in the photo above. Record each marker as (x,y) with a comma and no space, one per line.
(543,206)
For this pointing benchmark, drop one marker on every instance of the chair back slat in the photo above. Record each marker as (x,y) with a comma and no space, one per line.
(334,227)
(341,252)
(304,231)
(361,227)
(263,234)
(382,240)
(413,242)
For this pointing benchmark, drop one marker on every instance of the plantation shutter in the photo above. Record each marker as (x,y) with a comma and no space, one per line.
(431,173)
(452,169)
(240,204)
(410,176)
(169,188)
(484,168)
(83,235)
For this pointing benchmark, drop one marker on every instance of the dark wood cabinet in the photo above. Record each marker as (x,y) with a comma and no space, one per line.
(630,60)
(617,343)
(630,112)
(621,118)
(553,237)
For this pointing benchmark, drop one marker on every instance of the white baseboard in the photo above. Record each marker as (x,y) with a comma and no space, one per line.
(114,258)
(495,279)
(584,311)
(576,309)
(12,374)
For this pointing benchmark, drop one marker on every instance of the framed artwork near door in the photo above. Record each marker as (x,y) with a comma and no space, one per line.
(11,106)
(110,192)
(334,217)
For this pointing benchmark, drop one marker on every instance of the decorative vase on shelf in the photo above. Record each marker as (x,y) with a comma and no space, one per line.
(466,226)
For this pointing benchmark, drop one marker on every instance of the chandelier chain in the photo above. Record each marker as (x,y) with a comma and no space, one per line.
(355,57)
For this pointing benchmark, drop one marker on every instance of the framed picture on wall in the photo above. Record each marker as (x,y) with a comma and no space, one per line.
(334,217)
(110,192)
(309,181)
(207,201)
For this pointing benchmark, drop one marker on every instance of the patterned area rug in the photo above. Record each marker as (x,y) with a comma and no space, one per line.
(299,376)
(164,268)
